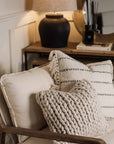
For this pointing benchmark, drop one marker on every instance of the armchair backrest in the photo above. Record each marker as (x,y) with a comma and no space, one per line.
(34,75)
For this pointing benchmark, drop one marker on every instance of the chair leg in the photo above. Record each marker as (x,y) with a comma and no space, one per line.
(0,134)
(2,138)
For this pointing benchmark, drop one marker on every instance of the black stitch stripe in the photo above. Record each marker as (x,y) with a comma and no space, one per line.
(99,64)
(99,82)
(74,69)
(102,94)
(63,58)
(68,81)
(102,72)
(107,107)
(71,81)
(78,69)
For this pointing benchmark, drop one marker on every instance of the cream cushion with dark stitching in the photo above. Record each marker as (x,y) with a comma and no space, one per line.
(65,70)
(102,75)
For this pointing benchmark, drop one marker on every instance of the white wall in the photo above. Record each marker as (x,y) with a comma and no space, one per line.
(11,6)
(16,32)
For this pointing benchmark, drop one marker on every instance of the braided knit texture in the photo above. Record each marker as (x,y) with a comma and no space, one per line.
(76,112)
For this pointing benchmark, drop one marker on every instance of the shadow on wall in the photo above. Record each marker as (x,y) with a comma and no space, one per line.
(29,4)
(2,71)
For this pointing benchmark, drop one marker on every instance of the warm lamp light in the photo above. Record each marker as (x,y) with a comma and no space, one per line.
(54,28)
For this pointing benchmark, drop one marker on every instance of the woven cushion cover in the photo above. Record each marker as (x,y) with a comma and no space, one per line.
(18,90)
(76,112)
(102,75)
(66,70)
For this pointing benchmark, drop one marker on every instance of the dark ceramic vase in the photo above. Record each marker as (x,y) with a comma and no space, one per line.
(54,31)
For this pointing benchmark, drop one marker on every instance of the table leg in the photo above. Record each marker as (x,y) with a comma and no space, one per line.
(26,64)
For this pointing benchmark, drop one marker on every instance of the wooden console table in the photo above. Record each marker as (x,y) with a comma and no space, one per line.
(70,49)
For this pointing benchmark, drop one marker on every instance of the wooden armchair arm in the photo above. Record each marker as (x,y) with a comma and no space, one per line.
(50,136)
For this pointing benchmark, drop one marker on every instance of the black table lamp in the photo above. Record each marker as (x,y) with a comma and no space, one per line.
(54,29)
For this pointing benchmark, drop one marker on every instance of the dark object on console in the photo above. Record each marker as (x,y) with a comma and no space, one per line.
(54,31)
(99,18)
(89,35)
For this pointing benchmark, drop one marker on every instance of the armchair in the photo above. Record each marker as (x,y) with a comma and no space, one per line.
(36,135)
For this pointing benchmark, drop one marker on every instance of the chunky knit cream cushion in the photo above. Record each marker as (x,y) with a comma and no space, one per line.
(76,112)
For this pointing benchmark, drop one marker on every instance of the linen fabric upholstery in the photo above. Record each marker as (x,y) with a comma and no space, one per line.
(102,75)
(65,70)
(76,112)
(19,90)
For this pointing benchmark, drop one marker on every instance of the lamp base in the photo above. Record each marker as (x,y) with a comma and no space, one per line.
(54,31)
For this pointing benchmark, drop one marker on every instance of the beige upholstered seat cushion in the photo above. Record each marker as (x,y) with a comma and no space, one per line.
(19,89)
(33,140)
(109,137)
(37,141)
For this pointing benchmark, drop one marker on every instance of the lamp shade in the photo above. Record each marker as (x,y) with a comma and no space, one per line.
(54,5)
